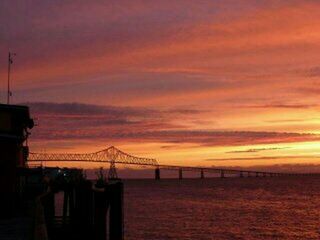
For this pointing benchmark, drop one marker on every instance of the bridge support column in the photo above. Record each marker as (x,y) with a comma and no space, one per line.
(180,173)
(157,173)
(222,174)
(257,174)
(202,174)
(241,174)
(112,174)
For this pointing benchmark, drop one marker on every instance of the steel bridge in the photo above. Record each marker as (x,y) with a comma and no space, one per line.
(112,155)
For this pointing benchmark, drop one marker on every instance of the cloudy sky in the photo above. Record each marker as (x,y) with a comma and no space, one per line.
(193,82)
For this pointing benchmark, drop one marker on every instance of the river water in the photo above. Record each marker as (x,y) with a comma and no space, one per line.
(230,208)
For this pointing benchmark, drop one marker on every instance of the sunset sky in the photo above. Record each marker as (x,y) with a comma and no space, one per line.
(201,83)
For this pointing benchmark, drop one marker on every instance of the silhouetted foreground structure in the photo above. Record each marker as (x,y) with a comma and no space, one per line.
(27,203)
(14,124)
(112,155)
(86,208)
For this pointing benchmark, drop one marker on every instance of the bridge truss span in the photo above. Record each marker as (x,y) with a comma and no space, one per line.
(111,154)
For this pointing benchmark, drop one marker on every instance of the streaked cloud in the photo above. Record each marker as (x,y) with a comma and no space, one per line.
(279,105)
(271,159)
(291,168)
(254,150)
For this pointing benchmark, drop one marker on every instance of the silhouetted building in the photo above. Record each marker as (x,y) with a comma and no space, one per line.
(14,124)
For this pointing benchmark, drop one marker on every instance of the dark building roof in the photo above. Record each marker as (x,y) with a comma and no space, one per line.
(14,121)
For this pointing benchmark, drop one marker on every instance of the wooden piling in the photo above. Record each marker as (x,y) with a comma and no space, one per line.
(65,206)
(116,225)
(100,213)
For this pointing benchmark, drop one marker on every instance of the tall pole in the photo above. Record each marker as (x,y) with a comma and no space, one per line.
(9,93)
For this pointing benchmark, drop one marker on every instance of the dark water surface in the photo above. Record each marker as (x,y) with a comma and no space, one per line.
(230,208)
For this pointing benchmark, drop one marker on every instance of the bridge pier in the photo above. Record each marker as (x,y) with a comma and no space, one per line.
(241,174)
(180,173)
(222,174)
(257,174)
(202,174)
(157,173)
(112,174)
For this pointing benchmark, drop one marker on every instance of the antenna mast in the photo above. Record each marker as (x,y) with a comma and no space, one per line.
(10,61)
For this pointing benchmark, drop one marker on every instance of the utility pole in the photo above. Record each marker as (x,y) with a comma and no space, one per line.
(10,61)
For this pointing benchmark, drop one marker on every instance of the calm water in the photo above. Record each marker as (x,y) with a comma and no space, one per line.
(232,208)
